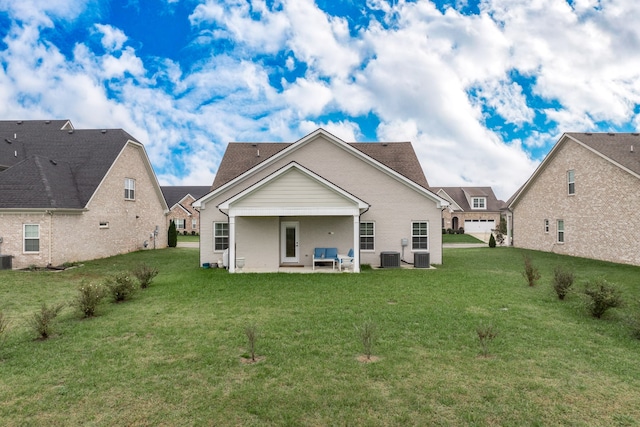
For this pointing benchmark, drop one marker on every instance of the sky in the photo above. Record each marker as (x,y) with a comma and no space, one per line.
(483,89)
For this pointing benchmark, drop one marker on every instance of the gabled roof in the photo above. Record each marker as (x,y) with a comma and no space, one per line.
(68,164)
(461,195)
(175,194)
(242,156)
(620,149)
(396,159)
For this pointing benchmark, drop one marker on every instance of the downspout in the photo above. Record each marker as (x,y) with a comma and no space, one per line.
(214,243)
(358,231)
(50,213)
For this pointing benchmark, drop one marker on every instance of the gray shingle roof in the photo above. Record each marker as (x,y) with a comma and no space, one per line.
(459,196)
(241,156)
(175,193)
(615,146)
(51,167)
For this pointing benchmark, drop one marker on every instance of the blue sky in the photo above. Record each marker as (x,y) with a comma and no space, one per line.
(483,89)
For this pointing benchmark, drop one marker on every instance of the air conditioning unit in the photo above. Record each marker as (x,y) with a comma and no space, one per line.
(421,260)
(5,262)
(390,259)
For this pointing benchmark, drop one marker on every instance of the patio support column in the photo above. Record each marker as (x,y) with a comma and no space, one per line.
(356,243)
(232,244)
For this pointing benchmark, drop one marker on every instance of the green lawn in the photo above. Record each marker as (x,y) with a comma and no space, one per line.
(460,238)
(188,238)
(173,355)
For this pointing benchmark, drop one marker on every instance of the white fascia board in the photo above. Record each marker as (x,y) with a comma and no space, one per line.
(292,211)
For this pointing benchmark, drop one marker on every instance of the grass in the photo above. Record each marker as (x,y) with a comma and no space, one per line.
(173,354)
(188,238)
(460,238)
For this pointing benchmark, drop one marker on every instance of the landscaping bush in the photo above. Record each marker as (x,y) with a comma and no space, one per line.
(562,281)
(4,324)
(41,321)
(450,231)
(486,334)
(602,296)
(145,274)
(634,323)
(367,334)
(530,272)
(461,230)
(172,237)
(122,287)
(89,297)
(251,332)
(492,241)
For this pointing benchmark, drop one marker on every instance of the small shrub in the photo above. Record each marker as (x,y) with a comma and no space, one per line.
(4,324)
(492,241)
(486,334)
(251,332)
(602,296)
(562,281)
(122,287)
(172,235)
(89,297)
(367,334)
(450,231)
(42,320)
(145,274)
(461,230)
(634,323)
(530,272)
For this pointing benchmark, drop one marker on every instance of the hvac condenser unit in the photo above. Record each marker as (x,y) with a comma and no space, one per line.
(390,259)
(5,262)
(421,260)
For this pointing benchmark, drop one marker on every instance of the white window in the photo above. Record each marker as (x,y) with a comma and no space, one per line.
(367,236)
(31,233)
(419,235)
(194,223)
(571,182)
(560,225)
(129,189)
(479,202)
(546,226)
(179,223)
(220,236)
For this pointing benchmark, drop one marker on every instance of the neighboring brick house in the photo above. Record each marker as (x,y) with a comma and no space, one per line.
(583,200)
(272,204)
(179,199)
(70,194)
(476,209)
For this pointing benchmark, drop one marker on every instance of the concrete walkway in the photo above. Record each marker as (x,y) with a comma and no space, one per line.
(465,245)
(188,245)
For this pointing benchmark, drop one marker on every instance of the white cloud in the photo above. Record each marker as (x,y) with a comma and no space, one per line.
(112,38)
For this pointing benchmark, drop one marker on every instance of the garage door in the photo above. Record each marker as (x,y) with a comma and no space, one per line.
(479,225)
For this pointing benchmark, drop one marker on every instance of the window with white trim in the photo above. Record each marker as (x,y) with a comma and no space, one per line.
(367,236)
(194,223)
(419,235)
(478,202)
(560,228)
(220,236)
(180,223)
(129,189)
(31,235)
(546,226)
(571,182)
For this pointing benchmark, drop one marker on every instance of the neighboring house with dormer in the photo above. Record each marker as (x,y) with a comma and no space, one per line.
(70,195)
(179,199)
(582,199)
(475,209)
(272,204)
